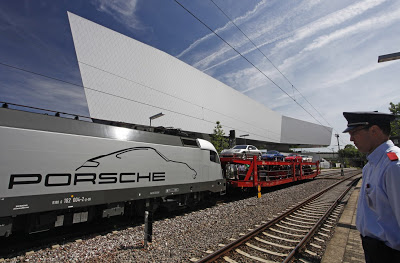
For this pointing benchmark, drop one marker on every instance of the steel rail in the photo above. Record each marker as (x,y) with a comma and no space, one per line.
(219,253)
(312,231)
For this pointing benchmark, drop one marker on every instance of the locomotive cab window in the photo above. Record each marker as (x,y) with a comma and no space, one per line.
(214,157)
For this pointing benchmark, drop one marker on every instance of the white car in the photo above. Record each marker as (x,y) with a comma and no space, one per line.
(307,159)
(241,151)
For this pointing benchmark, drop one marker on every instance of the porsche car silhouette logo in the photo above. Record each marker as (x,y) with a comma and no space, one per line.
(118,155)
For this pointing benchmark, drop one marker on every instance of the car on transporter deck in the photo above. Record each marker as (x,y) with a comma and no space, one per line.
(293,157)
(306,158)
(241,151)
(273,155)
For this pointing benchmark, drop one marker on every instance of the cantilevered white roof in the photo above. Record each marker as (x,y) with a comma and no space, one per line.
(128,81)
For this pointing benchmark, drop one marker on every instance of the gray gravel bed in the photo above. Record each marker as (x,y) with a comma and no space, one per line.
(184,237)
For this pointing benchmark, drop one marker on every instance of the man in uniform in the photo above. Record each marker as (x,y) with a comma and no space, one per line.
(378,211)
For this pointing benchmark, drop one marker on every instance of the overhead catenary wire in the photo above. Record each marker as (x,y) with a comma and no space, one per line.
(293,86)
(240,54)
(254,44)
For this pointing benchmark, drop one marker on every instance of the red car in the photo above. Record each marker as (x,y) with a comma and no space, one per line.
(293,157)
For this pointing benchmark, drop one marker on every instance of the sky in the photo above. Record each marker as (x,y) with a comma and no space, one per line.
(310,60)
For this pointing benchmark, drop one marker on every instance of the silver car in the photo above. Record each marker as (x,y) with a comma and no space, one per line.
(307,159)
(242,151)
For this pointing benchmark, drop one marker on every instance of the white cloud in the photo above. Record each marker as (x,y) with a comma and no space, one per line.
(328,21)
(367,25)
(121,10)
(260,24)
(220,56)
(237,20)
(353,74)
(125,8)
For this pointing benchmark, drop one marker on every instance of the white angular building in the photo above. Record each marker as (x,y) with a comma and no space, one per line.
(128,81)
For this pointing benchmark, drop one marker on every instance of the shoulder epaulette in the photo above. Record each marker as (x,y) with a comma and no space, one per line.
(392,156)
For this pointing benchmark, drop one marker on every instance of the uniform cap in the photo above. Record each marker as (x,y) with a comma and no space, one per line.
(366,118)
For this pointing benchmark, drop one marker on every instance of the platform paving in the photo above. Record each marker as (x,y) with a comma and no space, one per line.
(345,245)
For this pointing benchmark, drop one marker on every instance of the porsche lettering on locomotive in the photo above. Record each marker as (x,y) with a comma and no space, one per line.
(78,178)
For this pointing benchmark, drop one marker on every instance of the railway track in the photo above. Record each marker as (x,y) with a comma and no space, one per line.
(297,234)
(335,173)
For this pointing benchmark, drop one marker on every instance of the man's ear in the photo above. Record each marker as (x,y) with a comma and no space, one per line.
(375,130)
